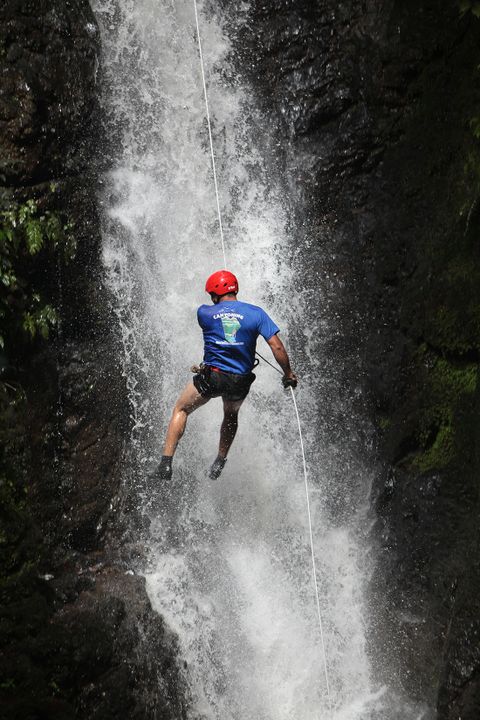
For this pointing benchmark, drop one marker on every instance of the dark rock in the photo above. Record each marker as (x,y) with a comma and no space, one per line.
(375,103)
(77,634)
(48,62)
(93,655)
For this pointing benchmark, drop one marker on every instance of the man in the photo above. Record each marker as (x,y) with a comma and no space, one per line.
(230,331)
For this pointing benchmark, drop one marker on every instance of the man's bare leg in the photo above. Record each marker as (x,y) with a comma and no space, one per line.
(229,426)
(189,400)
(228,431)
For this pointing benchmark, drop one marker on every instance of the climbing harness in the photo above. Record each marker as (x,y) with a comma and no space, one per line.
(199,368)
(302,448)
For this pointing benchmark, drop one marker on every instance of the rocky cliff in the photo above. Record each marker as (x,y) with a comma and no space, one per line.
(75,626)
(378,103)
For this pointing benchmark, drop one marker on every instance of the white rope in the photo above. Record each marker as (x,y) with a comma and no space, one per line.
(212,154)
(314,567)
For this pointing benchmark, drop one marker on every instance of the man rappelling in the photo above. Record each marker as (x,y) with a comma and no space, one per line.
(230,331)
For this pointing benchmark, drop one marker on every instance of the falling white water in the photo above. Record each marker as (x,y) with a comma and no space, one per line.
(228,562)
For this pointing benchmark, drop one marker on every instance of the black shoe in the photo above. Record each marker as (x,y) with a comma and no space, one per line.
(164,470)
(217,467)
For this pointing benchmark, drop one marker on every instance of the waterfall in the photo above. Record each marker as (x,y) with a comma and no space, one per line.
(228,562)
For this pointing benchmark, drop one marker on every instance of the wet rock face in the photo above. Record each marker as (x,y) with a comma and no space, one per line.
(48,59)
(48,64)
(92,658)
(78,631)
(376,104)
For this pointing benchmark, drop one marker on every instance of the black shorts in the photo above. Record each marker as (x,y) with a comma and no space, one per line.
(216,383)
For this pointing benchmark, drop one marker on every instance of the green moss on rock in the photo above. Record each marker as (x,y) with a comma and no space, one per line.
(448,387)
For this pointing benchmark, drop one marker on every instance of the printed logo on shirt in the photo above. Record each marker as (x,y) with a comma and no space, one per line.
(220,315)
(231,325)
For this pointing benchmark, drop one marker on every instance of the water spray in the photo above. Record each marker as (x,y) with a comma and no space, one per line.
(300,434)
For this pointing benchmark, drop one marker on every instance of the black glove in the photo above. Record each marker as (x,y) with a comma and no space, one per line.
(289,381)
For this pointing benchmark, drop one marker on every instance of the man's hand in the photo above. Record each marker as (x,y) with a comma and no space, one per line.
(290,380)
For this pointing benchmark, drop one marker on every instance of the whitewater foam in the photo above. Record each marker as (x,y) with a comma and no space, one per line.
(228,562)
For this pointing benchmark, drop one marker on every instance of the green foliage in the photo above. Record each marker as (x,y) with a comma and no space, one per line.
(472,6)
(26,233)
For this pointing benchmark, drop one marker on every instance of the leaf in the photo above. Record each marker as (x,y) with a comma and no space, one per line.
(10,217)
(29,324)
(34,235)
(27,211)
(53,228)
(43,329)
(8,277)
(49,314)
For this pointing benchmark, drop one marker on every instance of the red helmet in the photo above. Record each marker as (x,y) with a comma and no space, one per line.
(222,282)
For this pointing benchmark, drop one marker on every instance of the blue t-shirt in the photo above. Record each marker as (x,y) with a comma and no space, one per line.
(230,332)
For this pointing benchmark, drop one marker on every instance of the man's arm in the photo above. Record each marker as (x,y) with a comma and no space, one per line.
(281,356)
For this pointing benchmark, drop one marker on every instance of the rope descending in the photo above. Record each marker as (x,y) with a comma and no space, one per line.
(209,124)
(314,566)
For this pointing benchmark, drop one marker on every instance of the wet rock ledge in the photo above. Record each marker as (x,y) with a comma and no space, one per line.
(77,632)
